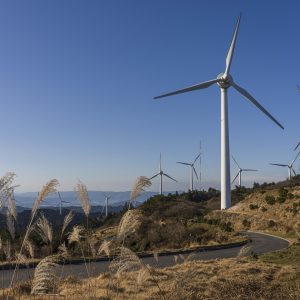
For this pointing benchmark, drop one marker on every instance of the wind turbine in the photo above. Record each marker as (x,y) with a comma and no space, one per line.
(61,202)
(161,173)
(191,165)
(225,80)
(239,174)
(106,204)
(290,167)
(297,146)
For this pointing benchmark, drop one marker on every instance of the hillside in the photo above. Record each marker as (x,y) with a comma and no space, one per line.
(276,208)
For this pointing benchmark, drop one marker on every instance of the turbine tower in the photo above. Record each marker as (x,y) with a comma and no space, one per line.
(106,204)
(191,165)
(161,173)
(225,80)
(239,174)
(290,167)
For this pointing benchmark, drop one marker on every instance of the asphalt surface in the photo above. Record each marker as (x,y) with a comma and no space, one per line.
(260,243)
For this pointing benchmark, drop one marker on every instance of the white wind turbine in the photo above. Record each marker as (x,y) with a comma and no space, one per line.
(191,165)
(161,173)
(106,204)
(239,174)
(290,167)
(225,80)
(61,201)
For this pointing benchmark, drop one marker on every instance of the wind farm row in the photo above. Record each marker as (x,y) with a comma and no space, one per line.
(225,81)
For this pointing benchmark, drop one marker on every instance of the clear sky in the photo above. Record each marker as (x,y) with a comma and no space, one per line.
(77,81)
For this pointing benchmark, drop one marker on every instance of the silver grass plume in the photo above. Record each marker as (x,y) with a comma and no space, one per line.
(29,248)
(44,229)
(45,278)
(125,261)
(143,276)
(48,189)
(11,202)
(129,223)
(105,247)
(63,250)
(67,220)
(140,184)
(6,180)
(7,250)
(76,234)
(83,197)
(10,225)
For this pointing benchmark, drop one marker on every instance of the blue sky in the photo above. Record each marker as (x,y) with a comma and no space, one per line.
(77,81)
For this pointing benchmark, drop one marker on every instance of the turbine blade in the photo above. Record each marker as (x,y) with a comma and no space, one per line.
(232,46)
(295,159)
(169,177)
(195,172)
(297,146)
(235,177)
(294,172)
(250,170)
(196,158)
(252,100)
(183,163)
(195,87)
(280,165)
(154,176)
(236,162)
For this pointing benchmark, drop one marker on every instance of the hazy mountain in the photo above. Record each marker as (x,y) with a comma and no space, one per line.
(97,198)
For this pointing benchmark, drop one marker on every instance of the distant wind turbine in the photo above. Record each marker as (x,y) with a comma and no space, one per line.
(290,167)
(239,174)
(106,204)
(297,146)
(161,174)
(225,80)
(191,165)
(61,202)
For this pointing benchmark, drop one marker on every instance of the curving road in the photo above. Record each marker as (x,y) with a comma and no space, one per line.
(260,243)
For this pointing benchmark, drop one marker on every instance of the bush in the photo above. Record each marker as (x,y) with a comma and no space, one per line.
(263,209)
(253,206)
(290,196)
(271,223)
(270,200)
(246,223)
(280,199)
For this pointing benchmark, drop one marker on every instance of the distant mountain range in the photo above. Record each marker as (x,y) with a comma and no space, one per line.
(25,200)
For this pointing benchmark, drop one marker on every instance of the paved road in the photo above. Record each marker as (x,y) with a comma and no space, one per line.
(261,243)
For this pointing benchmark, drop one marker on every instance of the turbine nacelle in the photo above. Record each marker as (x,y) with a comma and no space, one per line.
(224,80)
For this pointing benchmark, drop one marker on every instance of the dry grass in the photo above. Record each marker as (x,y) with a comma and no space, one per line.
(82,194)
(220,279)
(140,184)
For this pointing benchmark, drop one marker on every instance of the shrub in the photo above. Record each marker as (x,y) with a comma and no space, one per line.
(280,199)
(253,206)
(263,209)
(290,196)
(246,223)
(227,226)
(270,200)
(271,223)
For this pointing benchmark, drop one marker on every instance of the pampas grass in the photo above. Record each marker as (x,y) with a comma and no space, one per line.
(29,247)
(10,225)
(105,247)
(83,196)
(49,188)
(11,202)
(139,186)
(45,279)
(45,231)
(6,180)
(67,220)
(244,251)
(129,223)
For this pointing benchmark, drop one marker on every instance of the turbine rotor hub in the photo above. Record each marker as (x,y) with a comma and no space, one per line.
(225,80)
